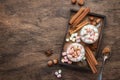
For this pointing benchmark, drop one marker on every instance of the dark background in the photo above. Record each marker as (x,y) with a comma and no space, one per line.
(29,27)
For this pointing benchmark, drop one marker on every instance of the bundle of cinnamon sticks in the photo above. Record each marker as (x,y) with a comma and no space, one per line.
(91,59)
(78,27)
(78,17)
(76,21)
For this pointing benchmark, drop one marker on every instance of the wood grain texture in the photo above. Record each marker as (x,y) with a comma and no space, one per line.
(28,27)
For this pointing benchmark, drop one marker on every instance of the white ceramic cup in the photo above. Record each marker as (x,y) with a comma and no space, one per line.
(80,57)
(89,34)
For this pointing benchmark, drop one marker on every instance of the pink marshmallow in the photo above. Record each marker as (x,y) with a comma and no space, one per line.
(64,53)
(78,37)
(69,62)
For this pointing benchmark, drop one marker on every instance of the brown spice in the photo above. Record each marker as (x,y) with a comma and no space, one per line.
(49,52)
(81,2)
(55,61)
(73,1)
(91,18)
(50,63)
(106,50)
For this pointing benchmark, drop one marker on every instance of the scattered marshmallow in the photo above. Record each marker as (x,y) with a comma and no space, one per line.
(56,73)
(72,36)
(62,60)
(70,56)
(84,58)
(73,39)
(75,34)
(69,62)
(59,76)
(78,37)
(64,54)
(59,71)
(65,57)
(67,40)
(65,60)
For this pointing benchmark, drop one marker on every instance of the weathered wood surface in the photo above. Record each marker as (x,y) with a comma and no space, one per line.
(28,27)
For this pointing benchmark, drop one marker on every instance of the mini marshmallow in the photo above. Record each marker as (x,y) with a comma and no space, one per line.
(83,38)
(62,60)
(92,32)
(65,60)
(75,34)
(84,58)
(70,56)
(91,37)
(65,57)
(71,51)
(90,41)
(67,40)
(75,47)
(87,36)
(59,71)
(95,37)
(86,40)
(64,53)
(56,73)
(96,34)
(59,76)
(78,37)
(69,62)
(72,35)
(73,39)
(84,32)
(78,52)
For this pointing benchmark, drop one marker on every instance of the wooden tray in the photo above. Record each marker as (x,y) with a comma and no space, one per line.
(97,52)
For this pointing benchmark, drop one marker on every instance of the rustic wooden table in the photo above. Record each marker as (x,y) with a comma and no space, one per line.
(28,27)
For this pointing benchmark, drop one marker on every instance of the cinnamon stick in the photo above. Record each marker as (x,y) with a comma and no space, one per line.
(91,55)
(76,15)
(90,59)
(83,14)
(79,26)
(92,66)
